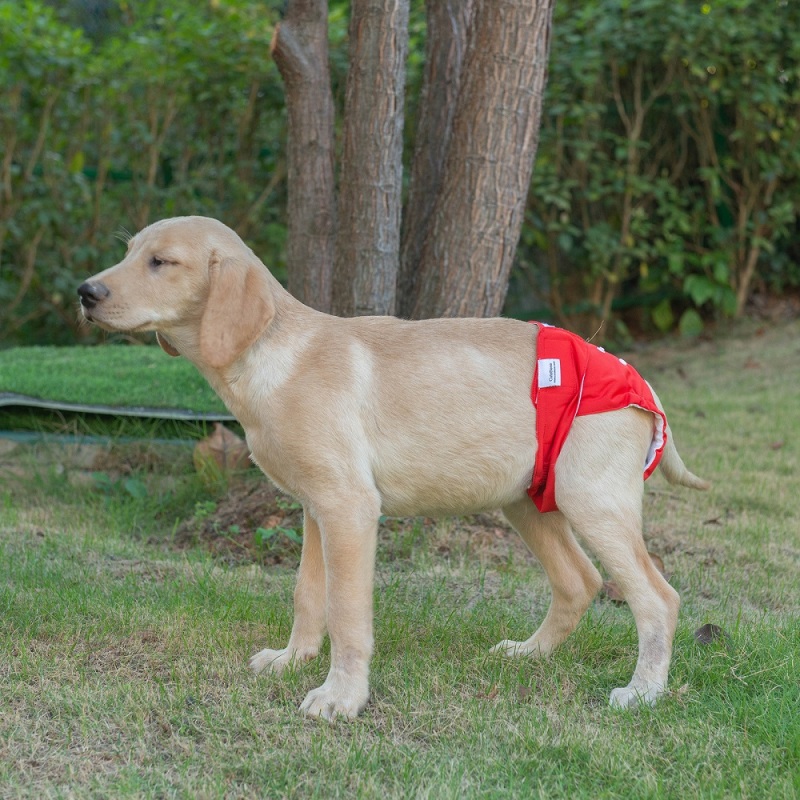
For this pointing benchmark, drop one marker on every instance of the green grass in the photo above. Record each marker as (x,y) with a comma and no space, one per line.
(123,659)
(112,375)
(31,423)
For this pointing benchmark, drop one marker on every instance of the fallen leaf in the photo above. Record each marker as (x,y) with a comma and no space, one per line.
(709,633)
(490,695)
(658,563)
(220,453)
(612,592)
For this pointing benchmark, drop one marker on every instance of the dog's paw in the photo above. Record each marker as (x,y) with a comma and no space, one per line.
(515,649)
(276,661)
(633,696)
(337,697)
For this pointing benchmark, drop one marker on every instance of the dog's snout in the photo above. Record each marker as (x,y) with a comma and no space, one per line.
(92,293)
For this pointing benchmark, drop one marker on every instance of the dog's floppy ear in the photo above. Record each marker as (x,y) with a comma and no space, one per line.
(165,345)
(238,309)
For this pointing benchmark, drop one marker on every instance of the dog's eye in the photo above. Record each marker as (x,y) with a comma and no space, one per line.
(156,262)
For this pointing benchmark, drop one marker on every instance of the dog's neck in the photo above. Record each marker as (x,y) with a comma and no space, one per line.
(261,369)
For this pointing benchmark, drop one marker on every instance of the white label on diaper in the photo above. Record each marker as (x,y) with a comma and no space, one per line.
(549,372)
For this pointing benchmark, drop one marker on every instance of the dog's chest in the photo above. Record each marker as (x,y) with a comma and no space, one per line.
(264,453)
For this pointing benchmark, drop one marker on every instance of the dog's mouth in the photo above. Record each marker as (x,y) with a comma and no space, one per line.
(113,325)
(95,317)
(91,319)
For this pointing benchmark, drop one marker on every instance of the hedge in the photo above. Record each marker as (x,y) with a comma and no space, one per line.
(665,190)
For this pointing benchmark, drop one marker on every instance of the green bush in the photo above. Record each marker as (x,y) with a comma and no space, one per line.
(178,111)
(667,174)
(666,187)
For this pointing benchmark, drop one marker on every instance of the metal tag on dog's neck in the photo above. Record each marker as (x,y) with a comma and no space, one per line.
(549,372)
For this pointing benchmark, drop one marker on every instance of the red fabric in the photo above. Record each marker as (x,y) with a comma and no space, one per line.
(573,378)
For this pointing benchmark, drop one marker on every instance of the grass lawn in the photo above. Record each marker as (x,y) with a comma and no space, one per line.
(110,375)
(123,649)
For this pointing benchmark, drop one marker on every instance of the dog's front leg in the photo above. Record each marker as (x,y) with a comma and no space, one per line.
(308,627)
(349,535)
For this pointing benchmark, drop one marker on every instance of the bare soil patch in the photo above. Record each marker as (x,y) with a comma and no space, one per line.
(233,527)
(236,527)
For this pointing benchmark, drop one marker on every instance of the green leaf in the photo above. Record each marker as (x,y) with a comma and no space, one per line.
(292,535)
(77,162)
(663,318)
(135,488)
(700,289)
(690,324)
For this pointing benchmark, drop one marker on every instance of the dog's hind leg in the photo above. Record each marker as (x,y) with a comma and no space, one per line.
(308,628)
(574,581)
(599,490)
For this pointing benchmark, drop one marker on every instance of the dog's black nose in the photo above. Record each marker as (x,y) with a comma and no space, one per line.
(92,293)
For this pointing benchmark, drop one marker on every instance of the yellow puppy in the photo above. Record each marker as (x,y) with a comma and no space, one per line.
(375,415)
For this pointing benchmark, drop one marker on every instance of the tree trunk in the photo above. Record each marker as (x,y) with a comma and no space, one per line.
(447,25)
(300,49)
(368,243)
(477,217)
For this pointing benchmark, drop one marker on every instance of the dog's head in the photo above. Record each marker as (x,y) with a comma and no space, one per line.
(193,281)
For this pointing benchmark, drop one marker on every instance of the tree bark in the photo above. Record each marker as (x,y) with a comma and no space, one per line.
(300,49)
(368,243)
(477,217)
(447,25)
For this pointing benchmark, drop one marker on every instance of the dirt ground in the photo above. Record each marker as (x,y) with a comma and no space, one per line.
(230,529)
(249,520)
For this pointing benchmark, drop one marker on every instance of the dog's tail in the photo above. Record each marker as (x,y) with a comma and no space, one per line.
(672,465)
(675,470)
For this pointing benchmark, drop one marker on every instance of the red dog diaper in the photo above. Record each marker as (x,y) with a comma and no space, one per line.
(574,378)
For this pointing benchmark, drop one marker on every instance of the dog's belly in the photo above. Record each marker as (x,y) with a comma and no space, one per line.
(440,483)
(422,482)
(443,504)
